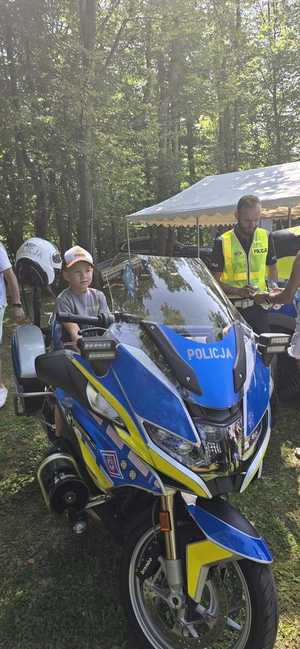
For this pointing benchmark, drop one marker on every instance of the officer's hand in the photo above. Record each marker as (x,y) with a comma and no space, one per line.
(276,291)
(247,291)
(262,298)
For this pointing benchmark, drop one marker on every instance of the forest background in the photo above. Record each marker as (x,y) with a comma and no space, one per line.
(109,106)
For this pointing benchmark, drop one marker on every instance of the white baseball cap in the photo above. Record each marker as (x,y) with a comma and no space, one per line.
(75,254)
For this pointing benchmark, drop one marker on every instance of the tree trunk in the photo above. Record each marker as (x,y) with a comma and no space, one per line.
(163,162)
(236,105)
(224,158)
(114,236)
(87,17)
(70,206)
(15,181)
(147,99)
(190,149)
(174,82)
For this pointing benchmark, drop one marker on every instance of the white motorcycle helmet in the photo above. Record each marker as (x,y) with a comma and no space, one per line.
(38,262)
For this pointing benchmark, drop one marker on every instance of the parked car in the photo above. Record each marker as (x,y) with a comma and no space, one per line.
(148,246)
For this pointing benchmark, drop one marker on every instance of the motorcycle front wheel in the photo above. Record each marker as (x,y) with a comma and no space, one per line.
(238,609)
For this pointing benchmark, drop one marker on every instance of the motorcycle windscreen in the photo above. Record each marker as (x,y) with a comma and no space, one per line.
(190,334)
(179,292)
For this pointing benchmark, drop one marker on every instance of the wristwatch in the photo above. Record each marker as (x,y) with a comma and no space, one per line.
(17,305)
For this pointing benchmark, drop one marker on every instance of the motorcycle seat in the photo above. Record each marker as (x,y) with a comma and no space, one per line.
(56,370)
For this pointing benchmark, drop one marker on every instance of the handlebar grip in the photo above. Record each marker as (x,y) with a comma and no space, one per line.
(102,320)
(76,319)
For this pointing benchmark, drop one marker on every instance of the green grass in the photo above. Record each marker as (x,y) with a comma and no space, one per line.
(61,592)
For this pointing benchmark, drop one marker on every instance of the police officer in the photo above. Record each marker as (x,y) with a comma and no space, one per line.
(240,258)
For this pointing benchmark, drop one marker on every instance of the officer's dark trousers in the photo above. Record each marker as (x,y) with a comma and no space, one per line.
(257,318)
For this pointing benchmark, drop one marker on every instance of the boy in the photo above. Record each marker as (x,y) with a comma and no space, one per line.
(79,298)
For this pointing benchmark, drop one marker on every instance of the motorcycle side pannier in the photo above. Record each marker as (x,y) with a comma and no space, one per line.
(28,343)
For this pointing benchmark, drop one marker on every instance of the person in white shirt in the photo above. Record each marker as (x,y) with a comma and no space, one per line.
(9,280)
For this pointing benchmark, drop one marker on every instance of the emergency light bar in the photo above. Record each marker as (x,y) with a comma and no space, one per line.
(94,349)
(273,343)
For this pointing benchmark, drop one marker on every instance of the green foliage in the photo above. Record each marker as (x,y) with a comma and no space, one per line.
(122,103)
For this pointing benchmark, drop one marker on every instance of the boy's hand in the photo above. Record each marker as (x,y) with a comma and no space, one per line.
(19,315)
(76,338)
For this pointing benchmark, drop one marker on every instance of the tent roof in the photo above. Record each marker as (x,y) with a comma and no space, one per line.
(214,198)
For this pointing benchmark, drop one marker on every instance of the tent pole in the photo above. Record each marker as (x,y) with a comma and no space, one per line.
(198,238)
(289,217)
(128,240)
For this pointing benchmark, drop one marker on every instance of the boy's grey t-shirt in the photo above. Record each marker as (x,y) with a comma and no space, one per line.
(90,303)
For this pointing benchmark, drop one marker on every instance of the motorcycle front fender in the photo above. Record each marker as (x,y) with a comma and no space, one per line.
(229,536)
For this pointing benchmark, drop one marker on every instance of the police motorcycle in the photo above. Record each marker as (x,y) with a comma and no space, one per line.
(166,410)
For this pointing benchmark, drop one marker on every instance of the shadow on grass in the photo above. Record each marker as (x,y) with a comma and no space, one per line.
(272,504)
(57,590)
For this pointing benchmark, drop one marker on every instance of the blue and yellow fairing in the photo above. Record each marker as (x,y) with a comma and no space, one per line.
(140,392)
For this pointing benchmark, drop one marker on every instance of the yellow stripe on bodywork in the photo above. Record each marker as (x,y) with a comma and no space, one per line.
(199,558)
(134,440)
(180,476)
(98,476)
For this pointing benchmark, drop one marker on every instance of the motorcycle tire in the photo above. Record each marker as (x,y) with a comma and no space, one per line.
(257,580)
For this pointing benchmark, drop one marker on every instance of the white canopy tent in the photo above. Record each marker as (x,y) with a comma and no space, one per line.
(212,201)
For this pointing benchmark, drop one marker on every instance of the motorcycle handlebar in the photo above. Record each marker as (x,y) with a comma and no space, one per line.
(102,320)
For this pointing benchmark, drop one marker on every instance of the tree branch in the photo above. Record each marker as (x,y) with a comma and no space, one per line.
(115,45)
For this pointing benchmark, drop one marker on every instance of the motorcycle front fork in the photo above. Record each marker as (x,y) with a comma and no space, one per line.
(172,562)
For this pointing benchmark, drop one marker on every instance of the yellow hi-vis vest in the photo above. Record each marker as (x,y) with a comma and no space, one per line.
(284,267)
(285,264)
(241,269)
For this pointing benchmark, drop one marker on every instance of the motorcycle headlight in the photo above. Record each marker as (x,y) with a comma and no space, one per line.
(99,404)
(220,450)
(191,455)
(224,444)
